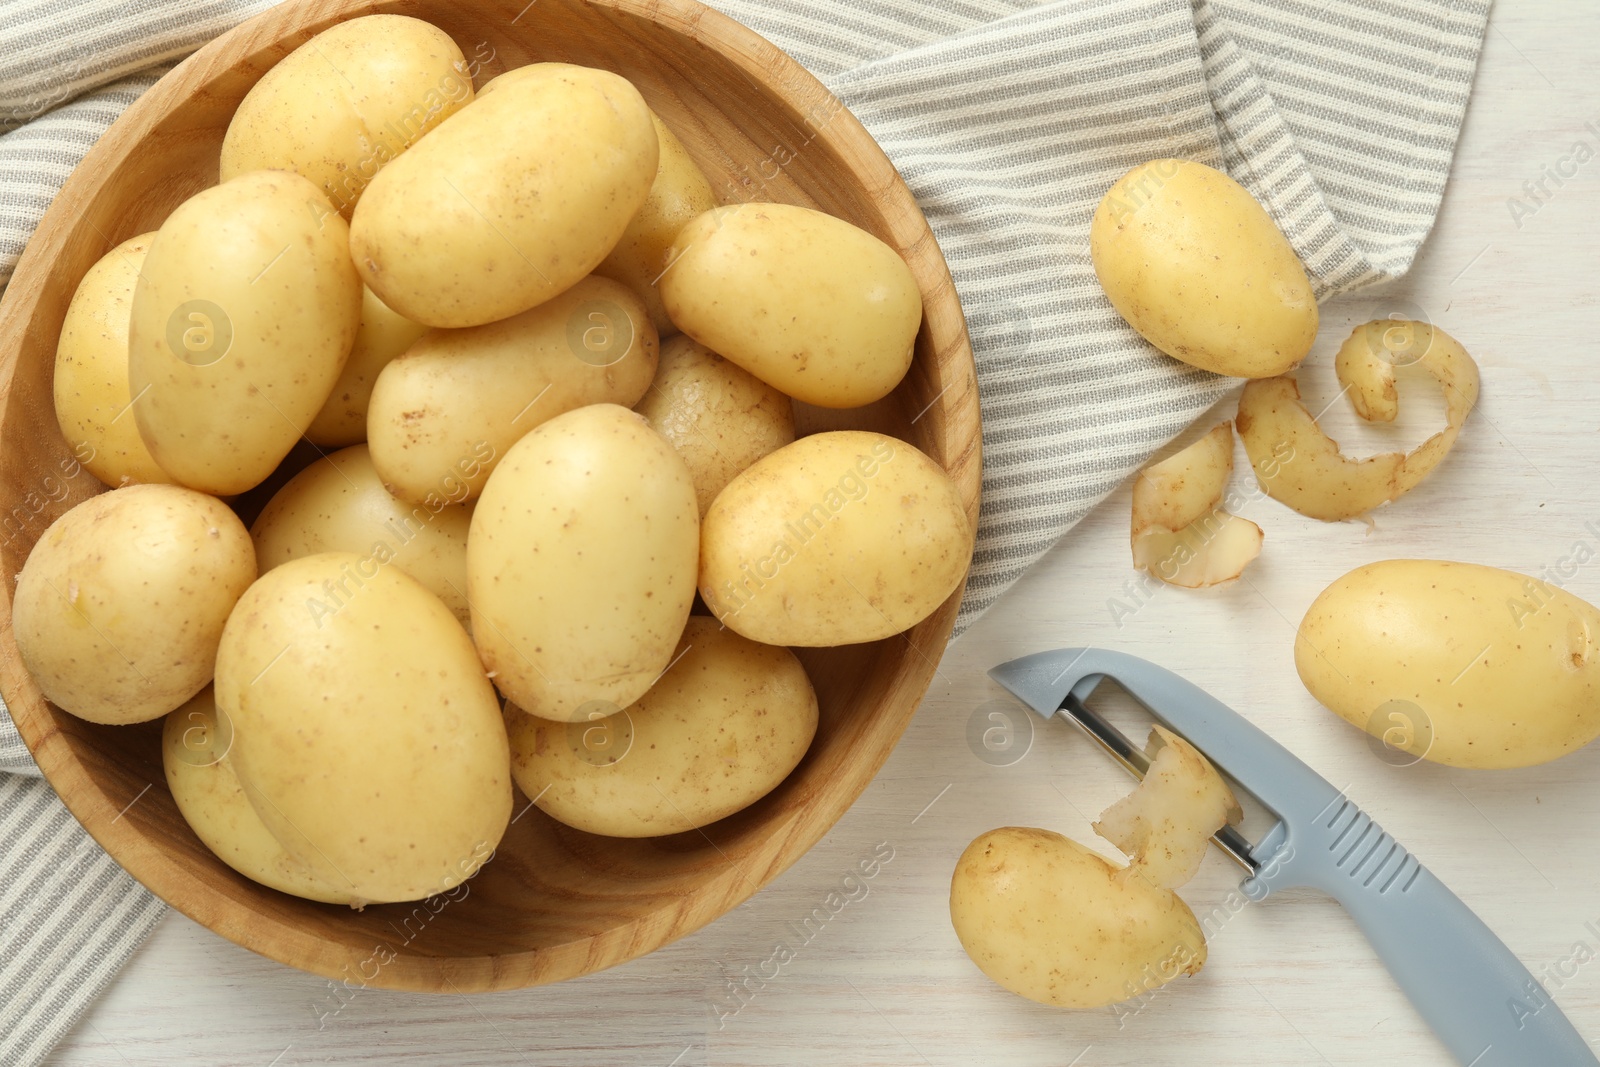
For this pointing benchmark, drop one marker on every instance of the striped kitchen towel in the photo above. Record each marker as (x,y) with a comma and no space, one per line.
(1008,118)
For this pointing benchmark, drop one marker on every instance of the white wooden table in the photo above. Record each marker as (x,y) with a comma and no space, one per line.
(1290,981)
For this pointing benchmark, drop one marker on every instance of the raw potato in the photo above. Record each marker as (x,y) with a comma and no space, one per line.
(581,563)
(380,339)
(842,537)
(808,303)
(1165,824)
(1195,265)
(679,193)
(516,198)
(365,734)
(121,603)
(1465,665)
(443,415)
(719,731)
(1316,479)
(242,320)
(195,743)
(1181,534)
(93,402)
(719,417)
(1056,923)
(339,504)
(347,102)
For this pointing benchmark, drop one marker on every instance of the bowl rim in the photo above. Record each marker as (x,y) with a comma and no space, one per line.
(791,834)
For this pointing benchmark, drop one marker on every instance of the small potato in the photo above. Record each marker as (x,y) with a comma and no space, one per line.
(121,603)
(347,102)
(242,320)
(719,417)
(726,723)
(1461,664)
(365,734)
(841,537)
(93,402)
(445,413)
(581,563)
(512,201)
(679,193)
(808,303)
(1056,923)
(380,339)
(195,742)
(339,504)
(1191,260)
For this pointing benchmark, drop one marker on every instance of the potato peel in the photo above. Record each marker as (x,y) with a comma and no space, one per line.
(1179,532)
(1299,465)
(1165,824)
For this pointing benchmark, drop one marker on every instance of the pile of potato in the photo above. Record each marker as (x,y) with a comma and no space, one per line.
(465,293)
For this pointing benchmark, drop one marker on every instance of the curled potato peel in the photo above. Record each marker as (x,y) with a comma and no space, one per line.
(1317,479)
(1165,824)
(1180,533)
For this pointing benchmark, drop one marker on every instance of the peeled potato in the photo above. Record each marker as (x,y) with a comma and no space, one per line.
(1056,923)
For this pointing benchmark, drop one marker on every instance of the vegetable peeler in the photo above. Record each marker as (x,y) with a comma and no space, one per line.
(1478,998)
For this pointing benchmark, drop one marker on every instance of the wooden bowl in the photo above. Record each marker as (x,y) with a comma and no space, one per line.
(554,903)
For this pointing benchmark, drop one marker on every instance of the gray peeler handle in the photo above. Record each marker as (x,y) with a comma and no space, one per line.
(1478,997)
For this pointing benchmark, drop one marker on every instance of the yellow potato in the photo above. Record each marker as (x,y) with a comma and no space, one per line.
(93,403)
(338,504)
(581,562)
(242,320)
(195,742)
(365,733)
(444,414)
(1461,664)
(718,732)
(841,537)
(380,339)
(512,201)
(1052,921)
(719,417)
(120,605)
(679,193)
(806,302)
(1197,266)
(347,102)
